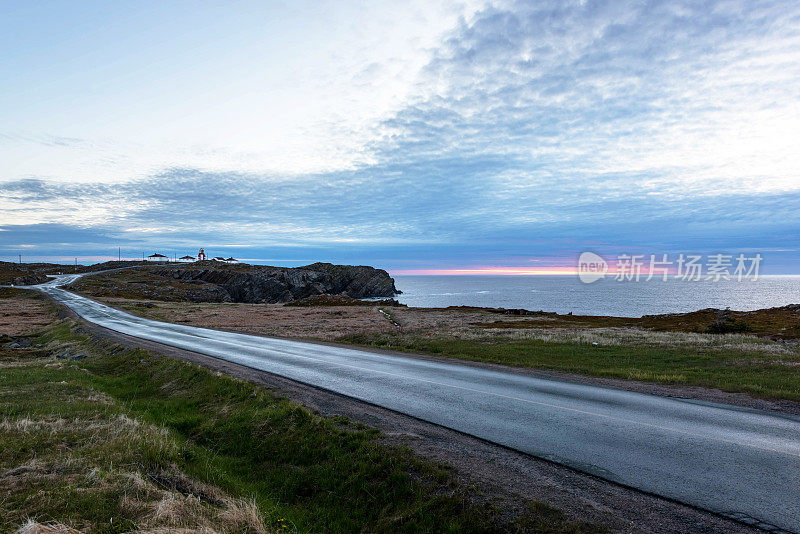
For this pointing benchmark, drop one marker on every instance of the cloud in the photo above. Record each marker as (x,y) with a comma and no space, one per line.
(48,235)
(533,129)
(680,92)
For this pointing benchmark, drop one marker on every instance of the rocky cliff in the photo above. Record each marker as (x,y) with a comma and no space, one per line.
(255,283)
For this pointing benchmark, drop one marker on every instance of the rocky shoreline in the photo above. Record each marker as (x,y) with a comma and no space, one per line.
(255,284)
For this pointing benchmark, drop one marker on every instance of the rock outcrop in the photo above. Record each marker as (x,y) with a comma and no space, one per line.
(342,300)
(261,284)
(23,274)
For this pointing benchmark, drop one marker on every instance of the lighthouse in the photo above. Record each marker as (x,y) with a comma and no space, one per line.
(201,256)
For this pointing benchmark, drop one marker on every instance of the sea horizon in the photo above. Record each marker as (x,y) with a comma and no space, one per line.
(567,294)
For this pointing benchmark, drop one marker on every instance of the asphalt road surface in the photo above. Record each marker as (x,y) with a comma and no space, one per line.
(739,462)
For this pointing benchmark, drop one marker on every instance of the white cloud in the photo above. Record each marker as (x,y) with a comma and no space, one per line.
(300,94)
(673,97)
(409,125)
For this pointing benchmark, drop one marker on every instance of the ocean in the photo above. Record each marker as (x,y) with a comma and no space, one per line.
(564,294)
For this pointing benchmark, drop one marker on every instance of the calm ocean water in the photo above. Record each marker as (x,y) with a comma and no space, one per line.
(565,294)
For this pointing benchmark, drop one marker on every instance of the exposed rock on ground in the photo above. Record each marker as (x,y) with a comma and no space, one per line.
(341,300)
(20,274)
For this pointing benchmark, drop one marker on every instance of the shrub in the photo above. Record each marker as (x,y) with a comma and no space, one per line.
(728,325)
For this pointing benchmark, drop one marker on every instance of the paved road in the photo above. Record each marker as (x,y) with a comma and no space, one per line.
(739,462)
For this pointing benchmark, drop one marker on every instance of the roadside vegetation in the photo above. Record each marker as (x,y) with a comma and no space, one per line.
(98,438)
(684,349)
(731,362)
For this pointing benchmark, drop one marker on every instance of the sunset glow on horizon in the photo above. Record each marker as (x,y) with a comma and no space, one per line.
(505,271)
(568,268)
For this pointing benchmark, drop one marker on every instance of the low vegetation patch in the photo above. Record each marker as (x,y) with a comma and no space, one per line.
(74,459)
(143,283)
(24,311)
(729,325)
(776,323)
(729,362)
(125,440)
(341,300)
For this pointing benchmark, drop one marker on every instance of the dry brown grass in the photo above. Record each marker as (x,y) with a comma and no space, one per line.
(99,452)
(32,527)
(324,322)
(23,312)
(632,337)
(154,508)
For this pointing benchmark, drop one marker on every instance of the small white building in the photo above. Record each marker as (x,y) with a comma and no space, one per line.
(157,257)
(231,260)
(218,258)
(186,259)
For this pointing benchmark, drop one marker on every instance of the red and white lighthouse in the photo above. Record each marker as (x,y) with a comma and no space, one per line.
(201,256)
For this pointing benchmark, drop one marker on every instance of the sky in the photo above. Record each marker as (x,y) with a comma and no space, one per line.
(419,136)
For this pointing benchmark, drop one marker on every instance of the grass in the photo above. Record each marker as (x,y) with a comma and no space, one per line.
(760,373)
(775,323)
(125,440)
(74,458)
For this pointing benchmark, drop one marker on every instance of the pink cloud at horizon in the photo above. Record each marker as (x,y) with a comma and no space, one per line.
(554,270)
(565,270)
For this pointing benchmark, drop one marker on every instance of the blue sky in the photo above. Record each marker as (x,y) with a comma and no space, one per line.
(411,136)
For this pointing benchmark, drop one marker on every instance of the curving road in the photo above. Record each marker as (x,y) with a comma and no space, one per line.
(738,462)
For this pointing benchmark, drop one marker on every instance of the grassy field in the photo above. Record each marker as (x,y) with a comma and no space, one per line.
(125,440)
(730,362)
